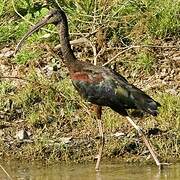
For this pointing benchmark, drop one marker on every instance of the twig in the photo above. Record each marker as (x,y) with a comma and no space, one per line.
(74,42)
(13,77)
(5,172)
(137,46)
(112,59)
(141,46)
(155,46)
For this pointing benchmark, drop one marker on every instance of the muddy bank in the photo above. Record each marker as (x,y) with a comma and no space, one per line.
(51,143)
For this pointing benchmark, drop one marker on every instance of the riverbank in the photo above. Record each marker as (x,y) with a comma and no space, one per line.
(43,118)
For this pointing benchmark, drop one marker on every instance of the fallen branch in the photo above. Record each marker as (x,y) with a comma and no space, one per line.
(5,172)
(80,40)
(112,59)
(74,42)
(143,46)
(137,46)
(14,77)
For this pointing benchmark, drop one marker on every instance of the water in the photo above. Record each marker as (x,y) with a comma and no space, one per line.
(109,171)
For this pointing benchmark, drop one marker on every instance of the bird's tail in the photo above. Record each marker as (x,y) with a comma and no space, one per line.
(144,102)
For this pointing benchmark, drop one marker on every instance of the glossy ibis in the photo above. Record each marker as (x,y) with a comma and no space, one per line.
(99,85)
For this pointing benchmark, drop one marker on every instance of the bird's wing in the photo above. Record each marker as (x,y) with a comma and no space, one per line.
(101,86)
(133,96)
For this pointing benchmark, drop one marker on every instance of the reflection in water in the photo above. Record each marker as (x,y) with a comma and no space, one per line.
(109,171)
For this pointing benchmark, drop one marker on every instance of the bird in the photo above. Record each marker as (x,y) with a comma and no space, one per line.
(97,84)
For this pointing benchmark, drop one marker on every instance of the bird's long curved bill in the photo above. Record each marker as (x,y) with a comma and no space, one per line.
(30,32)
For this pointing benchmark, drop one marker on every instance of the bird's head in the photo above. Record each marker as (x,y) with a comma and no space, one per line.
(55,16)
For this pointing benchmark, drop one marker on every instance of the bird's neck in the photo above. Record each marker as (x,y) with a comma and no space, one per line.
(67,52)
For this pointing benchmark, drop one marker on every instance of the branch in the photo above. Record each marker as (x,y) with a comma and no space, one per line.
(13,77)
(137,46)
(112,59)
(80,40)
(5,172)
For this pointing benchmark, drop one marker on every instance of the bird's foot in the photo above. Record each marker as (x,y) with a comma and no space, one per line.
(96,157)
(162,165)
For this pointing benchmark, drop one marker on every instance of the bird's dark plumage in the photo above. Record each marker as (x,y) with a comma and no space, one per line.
(99,85)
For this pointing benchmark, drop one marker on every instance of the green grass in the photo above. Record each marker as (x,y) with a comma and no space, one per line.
(136,19)
(144,62)
(164,21)
(170,112)
(5,89)
(128,20)
(26,56)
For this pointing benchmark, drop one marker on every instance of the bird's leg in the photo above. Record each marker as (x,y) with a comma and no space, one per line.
(99,113)
(140,132)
